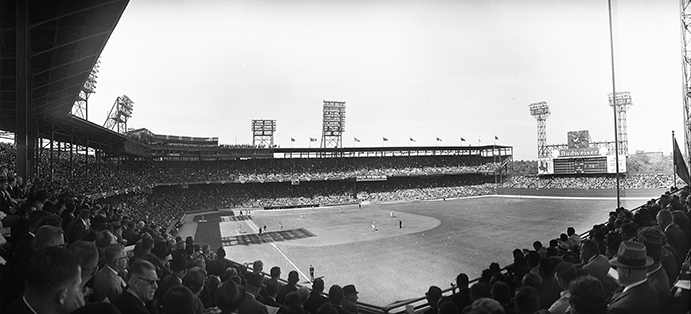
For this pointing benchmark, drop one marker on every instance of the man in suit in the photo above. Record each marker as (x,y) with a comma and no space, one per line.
(462,297)
(141,285)
(293,279)
(78,227)
(675,237)
(179,267)
(651,237)
(597,265)
(108,283)
(316,299)
(52,283)
(350,300)
(637,295)
(255,282)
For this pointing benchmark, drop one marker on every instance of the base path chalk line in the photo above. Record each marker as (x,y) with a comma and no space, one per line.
(256,229)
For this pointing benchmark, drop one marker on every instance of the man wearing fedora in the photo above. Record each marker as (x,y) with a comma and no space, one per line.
(433,295)
(350,301)
(255,282)
(651,237)
(637,295)
(178,267)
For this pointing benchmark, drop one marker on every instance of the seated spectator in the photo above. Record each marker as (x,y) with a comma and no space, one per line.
(651,237)
(502,294)
(350,301)
(229,297)
(631,264)
(565,273)
(462,297)
(53,281)
(548,290)
(293,279)
(586,296)
(489,305)
(97,307)
(293,305)
(433,295)
(87,257)
(141,286)
(335,298)
(255,282)
(526,300)
(194,280)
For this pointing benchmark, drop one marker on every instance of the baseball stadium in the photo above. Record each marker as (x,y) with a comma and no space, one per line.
(188,224)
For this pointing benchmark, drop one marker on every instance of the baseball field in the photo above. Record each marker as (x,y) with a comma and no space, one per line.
(395,251)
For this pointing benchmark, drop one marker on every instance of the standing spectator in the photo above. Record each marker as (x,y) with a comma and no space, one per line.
(350,299)
(336,298)
(108,284)
(433,295)
(316,299)
(141,285)
(52,283)
(462,297)
(293,279)
(78,228)
(637,295)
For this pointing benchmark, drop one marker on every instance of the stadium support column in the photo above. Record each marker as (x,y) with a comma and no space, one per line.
(25,134)
(686,73)
(333,124)
(540,110)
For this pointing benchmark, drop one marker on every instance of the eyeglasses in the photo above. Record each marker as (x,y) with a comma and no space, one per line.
(124,257)
(151,282)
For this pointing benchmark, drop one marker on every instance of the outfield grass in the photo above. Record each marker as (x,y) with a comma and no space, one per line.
(439,240)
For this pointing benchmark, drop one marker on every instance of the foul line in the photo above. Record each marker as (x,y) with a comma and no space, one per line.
(255,229)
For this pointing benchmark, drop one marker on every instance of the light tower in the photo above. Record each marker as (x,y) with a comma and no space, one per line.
(540,111)
(119,114)
(81,106)
(263,132)
(333,124)
(686,73)
(623,103)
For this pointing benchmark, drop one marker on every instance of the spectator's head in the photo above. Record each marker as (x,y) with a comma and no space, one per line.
(229,296)
(537,245)
(433,295)
(489,305)
(34,217)
(293,277)
(462,281)
(336,295)
(664,218)
(501,292)
(178,300)
(612,241)
(546,268)
(116,257)
(570,231)
(477,291)
(327,308)
(257,266)
(293,298)
(587,296)
(589,248)
(48,236)
(533,259)
(530,280)
(653,239)
(105,238)
(350,293)
(318,285)
(220,253)
(194,279)
(179,265)
(87,257)
(631,262)
(628,230)
(142,280)
(85,214)
(54,279)
(275,272)
(565,273)
(526,300)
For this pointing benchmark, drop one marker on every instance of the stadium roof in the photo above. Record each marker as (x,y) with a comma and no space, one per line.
(64,40)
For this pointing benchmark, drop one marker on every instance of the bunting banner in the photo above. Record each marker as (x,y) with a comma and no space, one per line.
(462,139)
(438,139)
(384,139)
(292,139)
(412,140)
(356,139)
(495,137)
(312,139)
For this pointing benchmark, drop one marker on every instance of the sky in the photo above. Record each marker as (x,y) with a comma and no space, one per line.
(406,69)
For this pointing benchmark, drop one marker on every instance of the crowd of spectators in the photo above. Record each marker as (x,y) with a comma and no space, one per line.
(632,181)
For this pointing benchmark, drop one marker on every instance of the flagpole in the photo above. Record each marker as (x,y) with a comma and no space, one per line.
(614,101)
(674,163)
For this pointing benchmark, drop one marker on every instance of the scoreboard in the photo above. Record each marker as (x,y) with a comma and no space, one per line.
(600,164)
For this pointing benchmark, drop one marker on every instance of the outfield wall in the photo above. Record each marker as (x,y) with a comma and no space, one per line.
(633,193)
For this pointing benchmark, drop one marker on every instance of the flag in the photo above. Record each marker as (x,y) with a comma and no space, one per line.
(679,164)
(438,139)
(384,139)
(356,139)
(495,137)
(292,139)
(462,139)
(312,139)
(412,140)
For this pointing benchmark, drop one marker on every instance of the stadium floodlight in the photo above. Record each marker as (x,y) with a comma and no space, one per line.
(540,110)
(623,103)
(333,124)
(263,133)
(119,114)
(80,108)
